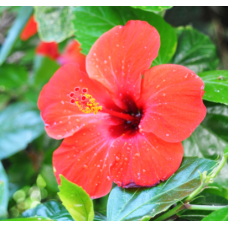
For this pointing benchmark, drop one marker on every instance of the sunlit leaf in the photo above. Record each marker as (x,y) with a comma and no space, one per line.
(134,204)
(76,200)
(54,22)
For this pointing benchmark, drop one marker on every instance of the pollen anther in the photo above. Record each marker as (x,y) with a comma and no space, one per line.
(85,102)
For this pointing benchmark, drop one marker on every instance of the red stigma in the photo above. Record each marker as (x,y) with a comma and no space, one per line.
(71,94)
(83,98)
(72,101)
(76,89)
(84,90)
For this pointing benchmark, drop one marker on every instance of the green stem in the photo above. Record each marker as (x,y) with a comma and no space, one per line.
(203,207)
(170,213)
(220,166)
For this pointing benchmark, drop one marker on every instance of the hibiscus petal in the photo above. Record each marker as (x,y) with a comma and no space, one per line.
(30,29)
(72,54)
(49,49)
(171,100)
(119,56)
(62,118)
(144,160)
(84,159)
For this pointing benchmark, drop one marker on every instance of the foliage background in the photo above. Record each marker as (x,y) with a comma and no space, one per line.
(26,150)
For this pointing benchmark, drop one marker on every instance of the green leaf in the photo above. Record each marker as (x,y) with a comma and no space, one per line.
(54,22)
(29,219)
(134,204)
(44,68)
(225,151)
(20,124)
(4,192)
(92,22)
(153,8)
(219,215)
(216,86)
(15,31)
(12,76)
(50,210)
(204,198)
(210,139)
(76,200)
(195,50)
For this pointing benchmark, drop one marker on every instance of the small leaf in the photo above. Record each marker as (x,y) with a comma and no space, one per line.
(134,204)
(44,68)
(76,200)
(210,139)
(20,124)
(195,50)
(50,210)
(216,86)
(54,22)
(14,32)
(29,219)
(91,22)
(219,215)
(153,8)
(4,192)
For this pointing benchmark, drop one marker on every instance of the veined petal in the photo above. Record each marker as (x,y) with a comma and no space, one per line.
(119,56)
(144,160)
(171,100)
(85,160)
(61,117)
(49,49)
(72,54)
(30,29)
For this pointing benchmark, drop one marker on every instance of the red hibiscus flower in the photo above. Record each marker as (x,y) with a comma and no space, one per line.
(30,29)
(49,49)
(119,125)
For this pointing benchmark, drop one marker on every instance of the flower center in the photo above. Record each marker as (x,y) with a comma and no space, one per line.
(85,102)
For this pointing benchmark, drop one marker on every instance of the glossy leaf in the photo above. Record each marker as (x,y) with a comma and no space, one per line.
(14,32)
(50,210)
(12,76)
(204,198)
(152,8)
(210,139)
(54,22)
(4,192)
(219,215)
(133,204)
(76,200)
(195,50)
(91,22)
(20,124)
(216,86)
